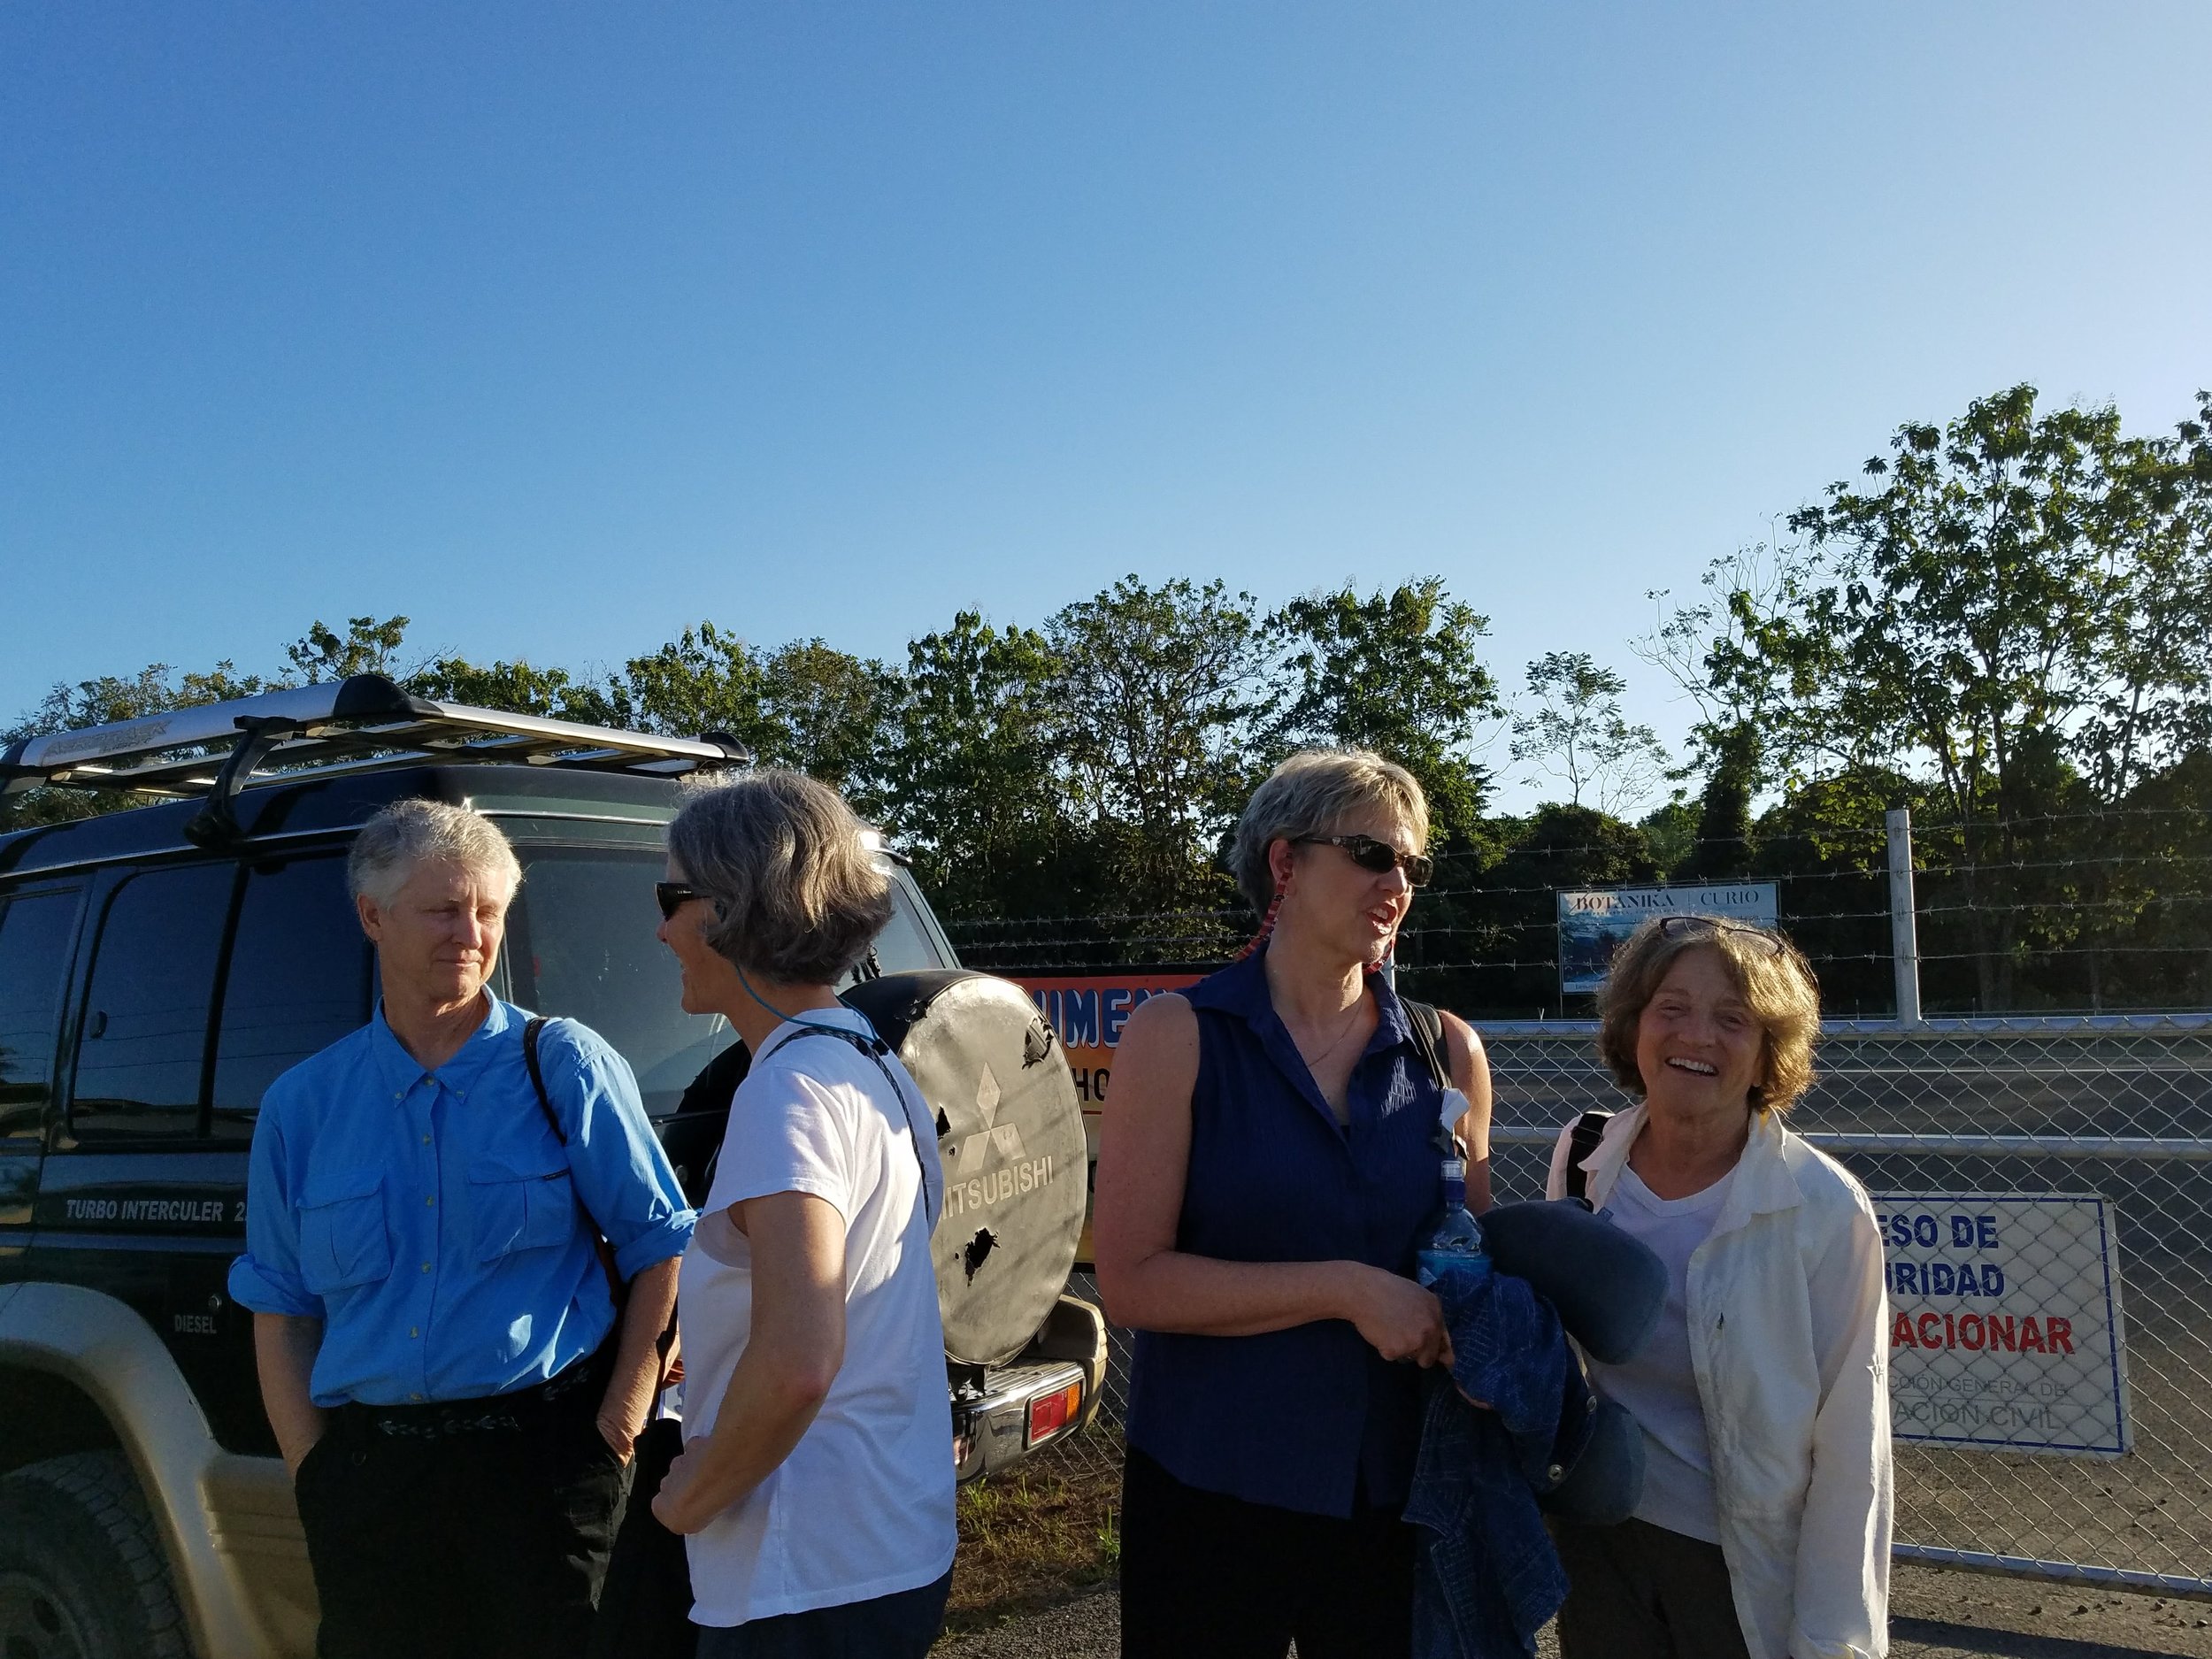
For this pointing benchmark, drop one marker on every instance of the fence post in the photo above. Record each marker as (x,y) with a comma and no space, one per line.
(1904,931)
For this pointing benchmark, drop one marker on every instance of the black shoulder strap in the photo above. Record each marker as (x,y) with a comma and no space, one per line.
(875,1048)
(537,1075)
(616,1286)
(1428,1037)
(1588,1131)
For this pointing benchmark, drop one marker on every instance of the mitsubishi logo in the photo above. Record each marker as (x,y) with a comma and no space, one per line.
(1005,1137)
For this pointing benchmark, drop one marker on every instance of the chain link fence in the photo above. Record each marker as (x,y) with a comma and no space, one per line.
(2117,1109)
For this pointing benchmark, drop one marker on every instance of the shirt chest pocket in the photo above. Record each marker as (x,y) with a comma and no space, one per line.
(343,1239)
(518,1207)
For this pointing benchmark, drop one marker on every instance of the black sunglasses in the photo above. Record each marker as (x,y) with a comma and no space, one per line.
(673,895)
(1379,856)
(1706,926)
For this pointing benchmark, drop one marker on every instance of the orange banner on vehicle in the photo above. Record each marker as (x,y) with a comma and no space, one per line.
(1087,1011)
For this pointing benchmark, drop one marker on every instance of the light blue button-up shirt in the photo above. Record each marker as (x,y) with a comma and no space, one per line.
(431,1219)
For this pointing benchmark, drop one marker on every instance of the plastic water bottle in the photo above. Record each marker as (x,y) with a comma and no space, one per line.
(1457,1240)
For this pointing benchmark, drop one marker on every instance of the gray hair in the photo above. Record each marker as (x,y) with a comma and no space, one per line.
(798,896)
(410,833)
(1312,794)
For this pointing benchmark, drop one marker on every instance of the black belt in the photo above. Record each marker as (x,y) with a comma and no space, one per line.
(509,1413)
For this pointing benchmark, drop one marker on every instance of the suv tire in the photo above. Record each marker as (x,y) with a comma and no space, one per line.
(81,1572)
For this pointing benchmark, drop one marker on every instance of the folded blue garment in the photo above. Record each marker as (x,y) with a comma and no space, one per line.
(1487,1578)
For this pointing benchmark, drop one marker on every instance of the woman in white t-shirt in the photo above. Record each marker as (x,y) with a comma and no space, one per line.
(1764,1525)
(815,1485)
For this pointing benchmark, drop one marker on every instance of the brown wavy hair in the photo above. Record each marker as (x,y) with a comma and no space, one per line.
(1770,973)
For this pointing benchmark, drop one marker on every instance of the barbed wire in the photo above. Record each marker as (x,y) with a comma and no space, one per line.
(2101,926)
(1113,926)
(1432,896)
(1923,829)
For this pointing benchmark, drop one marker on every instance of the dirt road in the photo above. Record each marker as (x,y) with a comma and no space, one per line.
(1935,1615)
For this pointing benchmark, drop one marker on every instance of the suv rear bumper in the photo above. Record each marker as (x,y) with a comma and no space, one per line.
(1049,1392)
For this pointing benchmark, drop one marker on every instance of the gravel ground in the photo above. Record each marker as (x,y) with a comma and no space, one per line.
(1936,1616)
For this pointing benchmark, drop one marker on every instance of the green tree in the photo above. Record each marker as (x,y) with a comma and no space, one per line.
(804,706)
(1576,734)
(971,772)
(101,701)
(97,702)
(1721,843)
(1671,831)
(516,687)
(1696,646)
(1825,846)
(1397,671)
(2148,680)
(105,701)
(1157,695)
(367,646)
(1942,618)
(706,679)
(825,712)
(2148,673)
(1496,950)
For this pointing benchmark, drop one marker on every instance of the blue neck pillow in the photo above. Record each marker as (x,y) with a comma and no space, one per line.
(1609,1288)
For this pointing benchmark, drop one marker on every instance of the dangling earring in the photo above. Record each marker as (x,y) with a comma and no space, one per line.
(1267,922)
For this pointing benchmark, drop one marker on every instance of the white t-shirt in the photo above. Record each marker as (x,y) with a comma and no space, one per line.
(1659,1387)
(863,1505)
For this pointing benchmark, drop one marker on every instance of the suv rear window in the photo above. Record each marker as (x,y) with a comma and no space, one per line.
(299,980)
(34,932)
(581,944)
(142,1046)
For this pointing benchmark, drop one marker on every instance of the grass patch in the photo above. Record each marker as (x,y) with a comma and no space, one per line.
(1045,1531)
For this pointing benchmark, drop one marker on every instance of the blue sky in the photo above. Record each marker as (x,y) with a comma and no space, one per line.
(557,328)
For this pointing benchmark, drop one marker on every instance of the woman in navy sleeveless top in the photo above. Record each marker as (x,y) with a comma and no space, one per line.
(1265,1174)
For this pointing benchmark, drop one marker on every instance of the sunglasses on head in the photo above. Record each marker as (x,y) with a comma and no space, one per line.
(1706,926)
(673,895)
(1379,856)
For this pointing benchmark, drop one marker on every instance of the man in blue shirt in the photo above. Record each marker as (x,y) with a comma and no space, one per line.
(439,1345)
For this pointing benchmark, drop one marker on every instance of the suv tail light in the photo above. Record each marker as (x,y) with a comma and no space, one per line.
(1050,1413)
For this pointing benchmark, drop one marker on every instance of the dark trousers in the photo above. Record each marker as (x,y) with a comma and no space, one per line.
(1638,1591)
(1202,1574)
(901,1626)
(465,1530)
(645,1604)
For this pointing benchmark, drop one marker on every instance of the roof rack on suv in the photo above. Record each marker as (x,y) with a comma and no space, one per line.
(362,723)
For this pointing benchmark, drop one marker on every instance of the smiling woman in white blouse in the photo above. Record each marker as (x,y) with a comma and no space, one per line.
(1764,1526)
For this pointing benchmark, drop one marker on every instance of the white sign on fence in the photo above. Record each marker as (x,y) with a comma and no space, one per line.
(2005,1325)
(1593,923)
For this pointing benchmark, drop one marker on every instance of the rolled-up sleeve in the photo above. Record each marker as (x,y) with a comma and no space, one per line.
(621,1173)
(267,1278)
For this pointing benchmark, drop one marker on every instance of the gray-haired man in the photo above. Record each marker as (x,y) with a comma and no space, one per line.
(440,1350)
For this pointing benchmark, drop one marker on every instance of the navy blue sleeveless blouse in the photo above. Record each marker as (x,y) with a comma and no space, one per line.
(1309,1419)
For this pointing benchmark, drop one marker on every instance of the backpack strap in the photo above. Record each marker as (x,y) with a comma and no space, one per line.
(1428,1038)
(537,1076)
(1582,1141)
(875,1048)
(618,1286)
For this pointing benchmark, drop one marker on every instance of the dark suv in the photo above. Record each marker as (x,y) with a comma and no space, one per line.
(158,968)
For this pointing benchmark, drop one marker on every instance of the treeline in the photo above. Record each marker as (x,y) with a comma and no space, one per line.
(2004,623)
(1086,767)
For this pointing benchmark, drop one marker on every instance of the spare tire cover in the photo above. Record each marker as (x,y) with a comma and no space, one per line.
(1009,1135)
